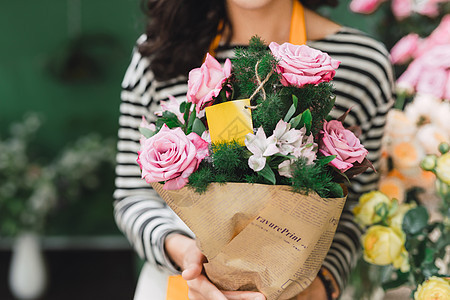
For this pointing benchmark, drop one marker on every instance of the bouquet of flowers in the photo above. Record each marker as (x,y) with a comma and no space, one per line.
(264,203)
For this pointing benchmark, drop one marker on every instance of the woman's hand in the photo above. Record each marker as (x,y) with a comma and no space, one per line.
(185,253)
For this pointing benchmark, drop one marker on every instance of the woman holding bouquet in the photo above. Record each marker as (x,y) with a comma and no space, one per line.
(178,36)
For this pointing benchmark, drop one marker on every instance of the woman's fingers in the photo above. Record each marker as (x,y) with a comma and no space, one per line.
(244,295)
(201,288)
(192,271)
(193,263)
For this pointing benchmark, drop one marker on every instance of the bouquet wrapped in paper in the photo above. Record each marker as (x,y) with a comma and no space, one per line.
(259,180)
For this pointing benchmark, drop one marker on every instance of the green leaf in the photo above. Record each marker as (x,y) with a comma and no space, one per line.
(295,101)
(412,244)
(415,220)
(429,269)
(268,174)
(292,109)
(382,210)
(168,118)
(401,279)
(146,132)
(198,127)
(306,120)
(295,121)
(284,156)
(190,122)
(187,111)
(324,160)
(290,113)
(183,107)
(393,208)
(429,255)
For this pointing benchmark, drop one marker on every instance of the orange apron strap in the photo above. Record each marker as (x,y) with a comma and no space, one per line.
(297,34)
(216,41)
(177,288)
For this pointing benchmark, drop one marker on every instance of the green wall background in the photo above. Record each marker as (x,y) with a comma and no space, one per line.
(36,38)
(36,34)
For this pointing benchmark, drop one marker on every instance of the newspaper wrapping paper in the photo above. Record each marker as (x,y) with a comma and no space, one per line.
(258,237)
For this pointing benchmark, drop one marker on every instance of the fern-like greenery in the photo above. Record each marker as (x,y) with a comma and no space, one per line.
(228,163)
(315,177)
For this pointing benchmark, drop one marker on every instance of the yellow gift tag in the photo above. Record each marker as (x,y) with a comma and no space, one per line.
(229,121)
(177,288)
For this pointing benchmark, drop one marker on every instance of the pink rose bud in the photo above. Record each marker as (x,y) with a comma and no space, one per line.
(171,156)
(334,139)
(405,48)
(206,82)
(300,64)
(365,6)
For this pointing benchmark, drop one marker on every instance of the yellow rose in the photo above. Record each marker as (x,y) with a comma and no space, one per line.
(435,288)
(365,210)
(443,168)
(396,220)
(383,246)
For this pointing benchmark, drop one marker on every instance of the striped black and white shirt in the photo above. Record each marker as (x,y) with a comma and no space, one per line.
(363,82)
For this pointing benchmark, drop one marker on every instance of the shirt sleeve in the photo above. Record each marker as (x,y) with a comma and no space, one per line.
(139,212)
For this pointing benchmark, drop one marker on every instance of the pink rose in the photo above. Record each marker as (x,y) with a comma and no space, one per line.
(432,82)
(428,73)
(439,36)
(334,139)
(171,156)
(205,82)
(365,6)
(404,49)
(402,8)
(300,64)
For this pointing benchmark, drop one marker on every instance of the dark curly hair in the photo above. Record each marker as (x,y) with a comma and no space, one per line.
(179,32)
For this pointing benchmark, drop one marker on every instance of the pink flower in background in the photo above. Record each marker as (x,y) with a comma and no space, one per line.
(432,82)
(439,36)
(171,156)
(365,6)
(405,48)
(206,82)
(402,8)
(429,8)
(300,64)
(428,73)
(334,139)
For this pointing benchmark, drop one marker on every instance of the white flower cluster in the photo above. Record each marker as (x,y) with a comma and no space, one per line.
(285,142)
